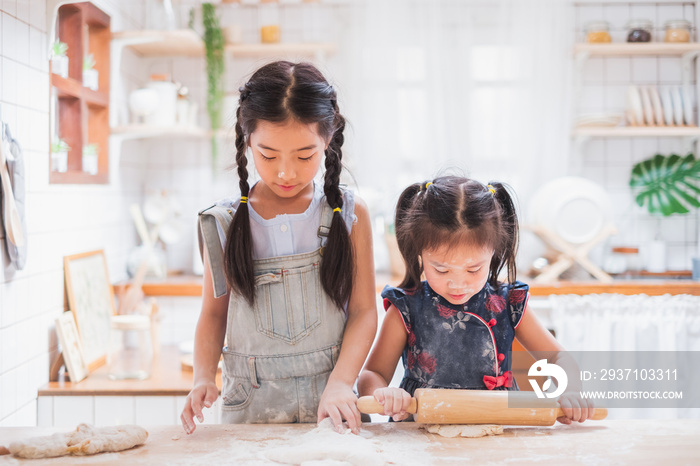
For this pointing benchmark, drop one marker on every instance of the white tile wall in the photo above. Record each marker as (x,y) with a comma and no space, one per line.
(609,162)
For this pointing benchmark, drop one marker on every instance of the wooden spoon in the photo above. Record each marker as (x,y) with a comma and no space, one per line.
(10,214)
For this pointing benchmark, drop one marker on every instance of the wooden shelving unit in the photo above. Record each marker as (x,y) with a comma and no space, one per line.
(82,114)
(637,49)
(637,131)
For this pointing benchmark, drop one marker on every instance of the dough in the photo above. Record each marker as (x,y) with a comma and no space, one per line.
(85,440)
(466,430)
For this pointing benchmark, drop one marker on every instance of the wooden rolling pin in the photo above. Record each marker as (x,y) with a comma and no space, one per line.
(443,406)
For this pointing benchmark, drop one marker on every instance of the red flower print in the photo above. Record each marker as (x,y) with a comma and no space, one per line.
(411,360)
(411,340)
(495,304)
(427,363)
(517,296)
(445,311)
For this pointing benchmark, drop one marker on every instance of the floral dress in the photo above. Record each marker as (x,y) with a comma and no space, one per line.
(464,346)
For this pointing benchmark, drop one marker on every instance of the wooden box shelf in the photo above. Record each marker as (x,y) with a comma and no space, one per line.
(82,114)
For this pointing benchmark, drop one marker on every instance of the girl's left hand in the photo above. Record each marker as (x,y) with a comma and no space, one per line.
(575,408)
(339,402)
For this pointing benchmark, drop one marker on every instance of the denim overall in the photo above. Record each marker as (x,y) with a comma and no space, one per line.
(279,353)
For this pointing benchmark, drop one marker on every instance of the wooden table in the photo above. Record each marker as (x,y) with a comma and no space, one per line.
(636,442)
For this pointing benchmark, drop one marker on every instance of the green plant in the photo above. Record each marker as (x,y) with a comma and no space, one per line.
(88,62)
(214,47)
(90,149)
(59,145)
(59,48)
(667,184)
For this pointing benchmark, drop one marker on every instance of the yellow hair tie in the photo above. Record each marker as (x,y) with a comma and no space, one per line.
(492,190)
(337,209)
(244,200)
(428,184)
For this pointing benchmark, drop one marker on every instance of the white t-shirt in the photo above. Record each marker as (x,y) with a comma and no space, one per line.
(288,234)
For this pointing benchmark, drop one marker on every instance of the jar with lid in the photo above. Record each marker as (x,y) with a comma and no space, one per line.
(130,354)
(677,30)
(639,30)
(269,19)
(598,32)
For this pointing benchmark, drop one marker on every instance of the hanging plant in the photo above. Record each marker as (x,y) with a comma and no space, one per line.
(668,184)
(214,47)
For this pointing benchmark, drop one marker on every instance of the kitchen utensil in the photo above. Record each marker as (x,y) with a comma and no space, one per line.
(10,214)
(634,104)
(646,106)
(677,100)
(667,104)
(143,102)
(687,105)
(656,105)
(445,406)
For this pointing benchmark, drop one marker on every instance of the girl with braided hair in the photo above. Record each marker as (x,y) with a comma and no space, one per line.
(455,329)
(289,273)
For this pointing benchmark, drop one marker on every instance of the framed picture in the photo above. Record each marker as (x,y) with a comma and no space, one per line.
(91,299)
(71,348)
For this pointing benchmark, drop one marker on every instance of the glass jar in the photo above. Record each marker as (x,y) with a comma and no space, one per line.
(130,353)
(677,30)
(639,30)
(598,32)
(269,19)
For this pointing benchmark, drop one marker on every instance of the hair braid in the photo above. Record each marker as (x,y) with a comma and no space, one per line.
(238,257)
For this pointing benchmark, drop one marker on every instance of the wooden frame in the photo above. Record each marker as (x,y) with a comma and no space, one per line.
(71,348)
(91,299)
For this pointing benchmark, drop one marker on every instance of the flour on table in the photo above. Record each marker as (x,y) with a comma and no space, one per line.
(465,430)
(84,440)
(324,445)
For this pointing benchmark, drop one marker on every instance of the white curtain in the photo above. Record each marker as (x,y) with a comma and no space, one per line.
(481,86)
(609,323)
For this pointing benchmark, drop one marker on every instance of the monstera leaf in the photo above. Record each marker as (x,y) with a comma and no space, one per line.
(668,184)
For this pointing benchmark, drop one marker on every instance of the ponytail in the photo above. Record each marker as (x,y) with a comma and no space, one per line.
(338,264)
(504,255)
(404,239)
(238,256)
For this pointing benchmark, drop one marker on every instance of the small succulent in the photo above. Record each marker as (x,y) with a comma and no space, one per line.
(59,145)
(88,62)
(90,149)
(59,48)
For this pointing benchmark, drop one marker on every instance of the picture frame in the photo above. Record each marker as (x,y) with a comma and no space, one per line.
(91,300)
(71,348)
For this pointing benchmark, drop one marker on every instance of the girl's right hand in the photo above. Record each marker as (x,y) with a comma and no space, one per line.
(394,400)
(203,395)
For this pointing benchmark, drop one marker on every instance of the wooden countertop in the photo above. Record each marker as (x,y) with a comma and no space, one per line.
(594,442)
(191,285)
(167,379)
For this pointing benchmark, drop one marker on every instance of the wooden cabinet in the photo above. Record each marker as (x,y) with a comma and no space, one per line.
(81,114)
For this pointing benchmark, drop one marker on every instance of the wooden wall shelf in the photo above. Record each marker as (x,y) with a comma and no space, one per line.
(637,131)
(637,49)
(82,114)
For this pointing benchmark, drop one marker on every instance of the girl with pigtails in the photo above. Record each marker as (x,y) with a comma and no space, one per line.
(455,328)
(289,293)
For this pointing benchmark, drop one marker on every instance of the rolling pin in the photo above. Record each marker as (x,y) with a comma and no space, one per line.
(446,406)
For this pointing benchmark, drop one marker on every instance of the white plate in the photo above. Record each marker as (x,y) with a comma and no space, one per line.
(634,105)
(667,105)
(687,106)
(646,106)
(575,208)
(656,105)
(677,100)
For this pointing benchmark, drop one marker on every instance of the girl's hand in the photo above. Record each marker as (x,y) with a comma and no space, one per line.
(339,402)
(203,395)
(395,402)
(575,408)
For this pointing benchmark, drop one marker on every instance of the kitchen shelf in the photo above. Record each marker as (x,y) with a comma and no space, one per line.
(637,49)
(637,131)
(186,43)
(150,131)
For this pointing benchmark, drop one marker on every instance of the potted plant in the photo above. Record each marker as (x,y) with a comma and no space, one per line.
(59,59)
(59,155)
(214,47)
(90,74)
(666,185)
(90,158)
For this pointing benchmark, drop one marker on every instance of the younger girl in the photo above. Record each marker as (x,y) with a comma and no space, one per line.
(288,265)
(456,328)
